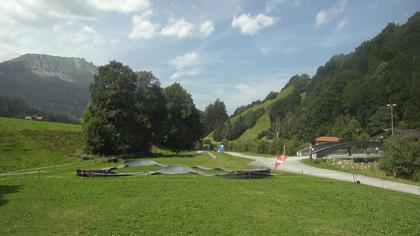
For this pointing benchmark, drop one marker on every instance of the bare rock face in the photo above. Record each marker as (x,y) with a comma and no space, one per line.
(69,69)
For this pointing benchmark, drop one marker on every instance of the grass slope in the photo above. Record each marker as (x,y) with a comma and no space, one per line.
(263,123)
(266,105)
(28,144)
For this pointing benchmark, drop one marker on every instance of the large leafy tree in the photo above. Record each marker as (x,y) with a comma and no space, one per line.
(214,117)
(119,117)
(156,107)
(184,127)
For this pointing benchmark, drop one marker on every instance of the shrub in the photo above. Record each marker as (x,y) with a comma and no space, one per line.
(401,156)
(263,146)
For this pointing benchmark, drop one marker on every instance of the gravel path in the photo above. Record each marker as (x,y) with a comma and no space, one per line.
(294,164)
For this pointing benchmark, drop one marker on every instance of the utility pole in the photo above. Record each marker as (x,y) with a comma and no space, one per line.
(392,117)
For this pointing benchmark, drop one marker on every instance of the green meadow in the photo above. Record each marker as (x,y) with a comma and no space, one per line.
(54,201)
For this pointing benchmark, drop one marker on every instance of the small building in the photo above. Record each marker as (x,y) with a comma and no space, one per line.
(327,139)
(35,117)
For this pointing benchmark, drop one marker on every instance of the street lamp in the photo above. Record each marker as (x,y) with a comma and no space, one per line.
(392,117)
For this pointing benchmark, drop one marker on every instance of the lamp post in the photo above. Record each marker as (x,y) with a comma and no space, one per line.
(392,117)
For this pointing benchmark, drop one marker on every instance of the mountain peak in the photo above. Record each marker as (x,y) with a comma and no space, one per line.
(70,69)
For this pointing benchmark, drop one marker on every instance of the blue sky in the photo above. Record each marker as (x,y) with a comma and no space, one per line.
(236,50)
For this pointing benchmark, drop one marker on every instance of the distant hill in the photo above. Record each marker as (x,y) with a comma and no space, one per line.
(346,97)
(50,83)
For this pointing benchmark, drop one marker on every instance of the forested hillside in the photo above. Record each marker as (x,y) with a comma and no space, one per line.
(18,108)
(346,97)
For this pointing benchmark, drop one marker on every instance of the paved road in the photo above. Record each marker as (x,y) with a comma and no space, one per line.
(294,164)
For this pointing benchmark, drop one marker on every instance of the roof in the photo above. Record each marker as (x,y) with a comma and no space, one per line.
(327,139)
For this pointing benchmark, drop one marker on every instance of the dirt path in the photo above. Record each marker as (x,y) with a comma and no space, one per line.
(294,164)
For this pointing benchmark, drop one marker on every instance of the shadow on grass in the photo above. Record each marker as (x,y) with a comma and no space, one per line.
(7,189)
(186,155)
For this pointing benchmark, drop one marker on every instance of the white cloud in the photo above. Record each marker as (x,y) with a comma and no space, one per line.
(115,41)
(321,18)
(176,76)
(206,29)
(84,35)
(244,88)
(142,27)
(324,16)
(342,24)
(186,60)
(53,13)
(44,13)
(187,65)
(180,28)
(251,25)
(123,6)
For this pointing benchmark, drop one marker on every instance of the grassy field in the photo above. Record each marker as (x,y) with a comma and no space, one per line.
(57,202)
(62,203)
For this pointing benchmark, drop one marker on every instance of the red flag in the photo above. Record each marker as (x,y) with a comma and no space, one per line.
(280,159)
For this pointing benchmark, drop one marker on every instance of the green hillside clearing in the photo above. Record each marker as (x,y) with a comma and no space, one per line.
(29,144)
(266,105)
(262,124)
